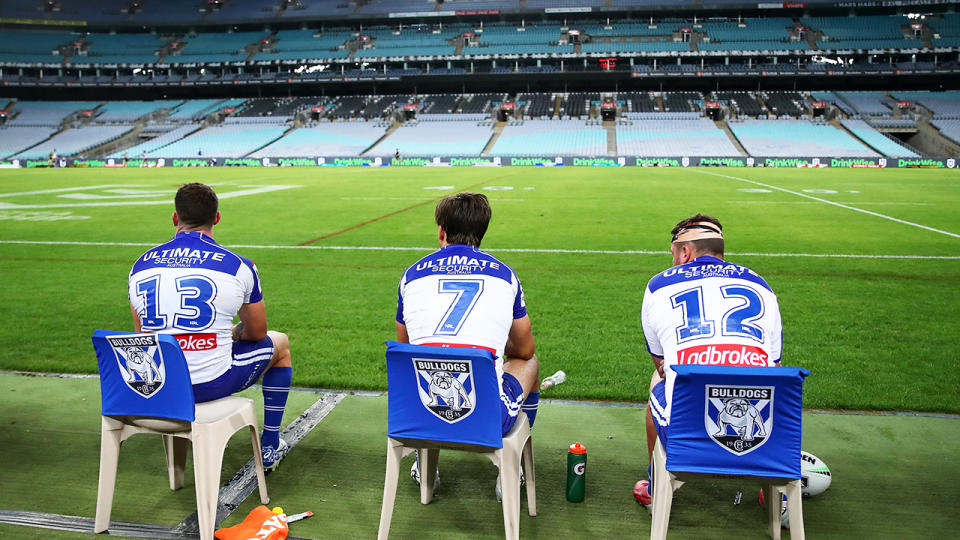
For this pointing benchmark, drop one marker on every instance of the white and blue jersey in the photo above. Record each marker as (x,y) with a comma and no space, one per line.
(192,287)
(709,312)
(460,296)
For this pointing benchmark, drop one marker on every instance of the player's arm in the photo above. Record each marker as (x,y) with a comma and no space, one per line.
(402,336)
(658,364)
(253,322)
(520,342)
(137,325)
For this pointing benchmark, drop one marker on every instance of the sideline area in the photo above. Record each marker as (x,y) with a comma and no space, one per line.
(894,476)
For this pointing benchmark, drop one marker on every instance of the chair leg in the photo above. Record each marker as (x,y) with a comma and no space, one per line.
(531,474)
(795,510)
(772,496)
(110,439)
(176,450)
(510,486)
(258,465)
(427,458)
(662,495)
(207,462)
(394,455)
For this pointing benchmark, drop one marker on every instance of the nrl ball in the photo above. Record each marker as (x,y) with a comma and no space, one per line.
(814,475)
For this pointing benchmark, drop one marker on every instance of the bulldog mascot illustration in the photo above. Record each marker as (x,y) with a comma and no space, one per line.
(448,387)
(741,416)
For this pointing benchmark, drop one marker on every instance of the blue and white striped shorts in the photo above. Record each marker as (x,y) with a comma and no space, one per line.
(250,360)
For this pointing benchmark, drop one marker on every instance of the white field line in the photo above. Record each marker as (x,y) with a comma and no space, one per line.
(497,250)
(825,201)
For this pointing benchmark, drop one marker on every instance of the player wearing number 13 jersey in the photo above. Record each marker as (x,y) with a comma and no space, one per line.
(192,287)
(703,311)
(460,296)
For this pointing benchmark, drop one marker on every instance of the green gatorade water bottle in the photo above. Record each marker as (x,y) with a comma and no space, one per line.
(576,472)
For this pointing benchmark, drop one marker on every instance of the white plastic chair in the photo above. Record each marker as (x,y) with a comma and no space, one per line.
(145,388)
(770,455)
(474,427)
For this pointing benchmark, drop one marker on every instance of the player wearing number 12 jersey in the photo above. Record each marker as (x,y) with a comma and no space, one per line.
(460,296)
(192,287)
(704,311)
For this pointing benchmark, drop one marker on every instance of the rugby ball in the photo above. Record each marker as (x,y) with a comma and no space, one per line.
(814,475)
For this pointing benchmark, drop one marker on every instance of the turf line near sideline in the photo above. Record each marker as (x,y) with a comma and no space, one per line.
(241,486)
(841,205)
(395,212)
(244,482)
(614,404)
(503,250)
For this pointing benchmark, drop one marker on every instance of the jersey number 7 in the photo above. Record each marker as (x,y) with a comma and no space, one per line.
(467,292)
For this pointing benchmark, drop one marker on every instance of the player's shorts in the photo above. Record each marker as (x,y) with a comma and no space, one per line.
(250,360)
(658,405)
(510,400)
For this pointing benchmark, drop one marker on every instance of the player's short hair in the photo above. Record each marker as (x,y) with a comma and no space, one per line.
(196,204)
(712,246)
(464,217)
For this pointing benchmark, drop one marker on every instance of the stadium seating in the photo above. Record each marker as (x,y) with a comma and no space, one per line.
(867,103)
(171,134)
(16,139)
(74,141)
(663,138)
(47,113)
(878,141)
(552,138)
(228,141)
(796,138)
(128,111)
(343,139)
(453,138)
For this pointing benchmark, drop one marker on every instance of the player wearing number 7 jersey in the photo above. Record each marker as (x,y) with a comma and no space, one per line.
(705,311)
(192,287)
(460,296)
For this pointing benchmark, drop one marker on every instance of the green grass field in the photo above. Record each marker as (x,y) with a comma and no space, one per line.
(877,330)
(866,265)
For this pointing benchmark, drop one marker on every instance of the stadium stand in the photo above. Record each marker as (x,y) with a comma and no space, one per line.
(194,109)
(662,138)
(950,128)
(876,140)
(680,101)
(170,134)
(344,139)
(867,103)
(784,104)
(74,141)
(454,138)
(17,139)
(940,104)
(47,113)
(551,137)
(228,141)
(742,102)
(796,138)
(537,106)
(439,104)
(129,111)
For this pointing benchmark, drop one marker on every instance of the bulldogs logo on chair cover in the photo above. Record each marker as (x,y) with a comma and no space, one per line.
(739,418)
(140,361)
(446,388)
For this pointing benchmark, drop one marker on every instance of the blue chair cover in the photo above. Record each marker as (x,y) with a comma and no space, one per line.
(736,420)
(143,375)
(443,394)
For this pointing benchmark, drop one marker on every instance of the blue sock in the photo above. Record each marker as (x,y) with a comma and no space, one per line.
(530,406)
(276,386)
